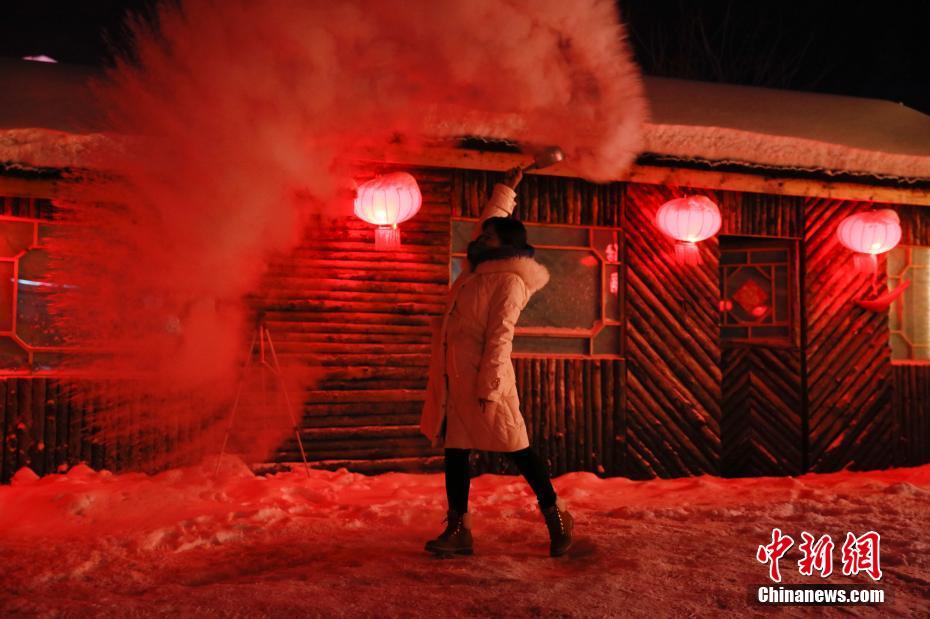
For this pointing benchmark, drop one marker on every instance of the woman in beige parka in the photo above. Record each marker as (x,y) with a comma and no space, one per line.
(471,399)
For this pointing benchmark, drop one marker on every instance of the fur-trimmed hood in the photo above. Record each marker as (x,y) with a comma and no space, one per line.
(533,274)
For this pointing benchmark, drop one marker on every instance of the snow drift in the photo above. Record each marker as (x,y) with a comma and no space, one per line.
(341,544)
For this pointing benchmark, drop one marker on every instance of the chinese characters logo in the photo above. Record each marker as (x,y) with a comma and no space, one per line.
(858,554)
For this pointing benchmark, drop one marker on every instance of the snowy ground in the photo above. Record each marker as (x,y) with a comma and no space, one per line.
(341,544)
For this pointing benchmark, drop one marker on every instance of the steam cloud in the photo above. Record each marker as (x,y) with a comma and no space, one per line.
(236,119)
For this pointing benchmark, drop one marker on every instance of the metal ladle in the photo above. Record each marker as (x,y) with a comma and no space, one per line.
(545,158)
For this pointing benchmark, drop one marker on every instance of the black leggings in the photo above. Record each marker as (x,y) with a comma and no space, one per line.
(530,465)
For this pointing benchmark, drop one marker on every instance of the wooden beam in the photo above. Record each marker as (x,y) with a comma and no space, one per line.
(776,184)
(29,188)
(448,157)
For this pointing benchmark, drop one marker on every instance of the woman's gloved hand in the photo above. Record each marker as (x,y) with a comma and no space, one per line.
(513,176)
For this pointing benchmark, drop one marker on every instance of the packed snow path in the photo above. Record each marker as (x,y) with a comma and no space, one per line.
(183,543)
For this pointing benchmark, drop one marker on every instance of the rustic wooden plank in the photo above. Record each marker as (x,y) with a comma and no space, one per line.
(49,403)
(672,410)
(17,436)
(549,421)
(911,395)
(538,401)
(848,358)
(596,395)
(87,411)
(561,442)
(761,429)
(6,433)
(34,415)
(578,414)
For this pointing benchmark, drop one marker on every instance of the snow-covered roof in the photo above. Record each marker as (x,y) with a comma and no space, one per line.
(48,116)
(722,123)
(47,95)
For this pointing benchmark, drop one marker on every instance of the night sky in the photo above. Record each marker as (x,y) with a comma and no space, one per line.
(871,49)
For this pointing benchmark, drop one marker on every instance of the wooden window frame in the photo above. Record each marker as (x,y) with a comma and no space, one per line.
(910,359)
(29,349)
(601,323)
(765,243)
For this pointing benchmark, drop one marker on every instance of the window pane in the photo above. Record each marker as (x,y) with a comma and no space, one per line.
(767,257)
(769,332)
(751,293)
(607,342)
(456,267)
(44,361)
(33,323)
(6,295)
(585,286)
(897,261)
(551,345)
(563,236)
(755,281)
(733,257)
(571,299)
(909,315)
(781,294)
(12,355)
(461,235)
(734,333)
(15,237)
(899,347)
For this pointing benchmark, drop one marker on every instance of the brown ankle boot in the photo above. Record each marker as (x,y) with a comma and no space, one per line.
(560,524)
(456,539)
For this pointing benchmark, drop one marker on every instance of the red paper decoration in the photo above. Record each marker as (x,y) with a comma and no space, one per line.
(386,201)
(869,233)
(689,220)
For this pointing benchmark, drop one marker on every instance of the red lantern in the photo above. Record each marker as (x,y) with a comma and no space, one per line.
(689,220)
(869,233)
(387,201)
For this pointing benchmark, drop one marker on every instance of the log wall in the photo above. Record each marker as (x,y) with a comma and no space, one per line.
(911,384)
(47,429)
(849,373)
(363,317)
(574,415)
(680,403)
(40,430)
(911,403)
(673,361)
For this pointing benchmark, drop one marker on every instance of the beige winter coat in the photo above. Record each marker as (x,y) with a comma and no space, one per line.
(471,347)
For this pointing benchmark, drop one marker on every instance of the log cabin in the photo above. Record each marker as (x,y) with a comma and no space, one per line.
(769,356)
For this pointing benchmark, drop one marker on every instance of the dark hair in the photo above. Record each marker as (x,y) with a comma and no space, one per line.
(511,232)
